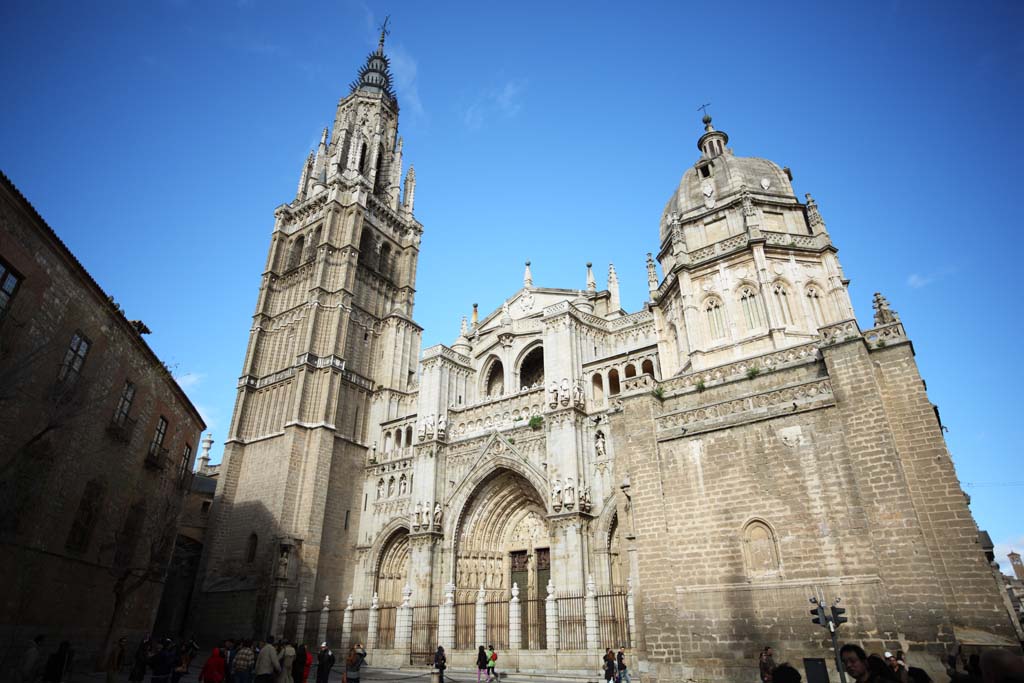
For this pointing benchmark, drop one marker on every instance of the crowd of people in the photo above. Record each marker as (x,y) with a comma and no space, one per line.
(993,666)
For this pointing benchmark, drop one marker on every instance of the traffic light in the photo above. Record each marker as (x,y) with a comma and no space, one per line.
(837,615)
(818,614)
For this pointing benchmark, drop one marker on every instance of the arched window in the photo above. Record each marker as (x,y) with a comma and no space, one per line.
(817,309)
(630,370)
(751,308)
(613,383)
(647,367)
(716,318)
(388,443)
(366,248)
(250,548)
(295,253)
(531,370)
(781,295)
(494,385)
(597,385)
(398,438)
(760,549)
(363,170)
(385,260)
(408,435)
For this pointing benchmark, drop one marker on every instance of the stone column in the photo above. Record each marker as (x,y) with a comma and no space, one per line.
(403,621)
(446,619)
(551,617)
(481,617)
(281,617)
(300,623)
(593,632)
(515,625)
(325,613)
(631,611)
(346,625)
(372,624)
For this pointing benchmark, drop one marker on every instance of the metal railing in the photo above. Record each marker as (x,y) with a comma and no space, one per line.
(613,620)
(465,626)
(360,625)
(572,622)
(424,635)
(497,624)
(535,627)
(386,627)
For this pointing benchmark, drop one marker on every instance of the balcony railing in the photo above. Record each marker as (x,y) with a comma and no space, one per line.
(121,430)
(157,457)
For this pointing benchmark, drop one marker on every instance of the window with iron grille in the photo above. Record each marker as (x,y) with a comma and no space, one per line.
(124,406)
(9,281)
(85,518)
(158,436)
(74,357)
(186,457)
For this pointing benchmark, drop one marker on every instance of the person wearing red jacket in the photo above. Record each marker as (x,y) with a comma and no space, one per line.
(213,669)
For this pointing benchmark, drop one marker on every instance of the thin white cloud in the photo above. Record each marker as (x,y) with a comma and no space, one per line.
(404,70)
(917,281)
(190,380)
(506,101)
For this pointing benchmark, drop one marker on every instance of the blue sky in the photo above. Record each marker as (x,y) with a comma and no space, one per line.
(157,138)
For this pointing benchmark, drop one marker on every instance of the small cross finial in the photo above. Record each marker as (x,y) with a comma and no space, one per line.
(384,32)
(704,108)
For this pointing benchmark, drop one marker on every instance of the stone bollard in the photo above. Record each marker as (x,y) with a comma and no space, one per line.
(515,624)
(481,617)
(300,623)
(631,611)
(325,613)
(372,624)
(346,625)
(281,618)
(590,609)
(446,619)
(551,617)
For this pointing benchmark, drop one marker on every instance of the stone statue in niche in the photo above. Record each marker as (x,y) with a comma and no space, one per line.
(437,514)
(442,426)
(421,431)
(553,394)
(416,515)
(380,489)
(430,425)
(391,487)
(585,503)
(577,395)
(564,392)
(556,494)
(569,495)
(599,445)
(282,564)
(403,486)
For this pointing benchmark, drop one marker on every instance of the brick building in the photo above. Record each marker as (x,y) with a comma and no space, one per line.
(97,442)
(568,476)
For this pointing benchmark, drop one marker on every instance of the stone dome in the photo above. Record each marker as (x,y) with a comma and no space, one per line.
(726,176)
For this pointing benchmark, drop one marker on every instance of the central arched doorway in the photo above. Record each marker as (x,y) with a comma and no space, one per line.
(503,539)
(393,570)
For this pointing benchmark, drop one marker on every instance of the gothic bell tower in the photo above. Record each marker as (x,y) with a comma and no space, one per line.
(332,349)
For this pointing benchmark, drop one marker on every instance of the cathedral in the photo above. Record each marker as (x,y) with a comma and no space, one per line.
(568,476)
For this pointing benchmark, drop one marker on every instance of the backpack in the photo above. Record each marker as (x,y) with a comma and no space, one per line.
(494,656)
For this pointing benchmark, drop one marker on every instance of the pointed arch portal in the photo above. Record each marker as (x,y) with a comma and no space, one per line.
(503,537)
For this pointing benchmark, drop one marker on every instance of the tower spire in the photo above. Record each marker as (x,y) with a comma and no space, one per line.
(713,142)
(384,33)
(527,276)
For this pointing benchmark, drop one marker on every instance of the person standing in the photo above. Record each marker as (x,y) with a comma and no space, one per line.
(492,663)
(115,659)
(324,663)
(245,659)
(766,664)
(299,663)
(855,661)
(609,665)
(287,662)
(440,661)
(353,663)
(28,667)
(58,666)
(620,665)
(214,669)
(481,663)
(267,663)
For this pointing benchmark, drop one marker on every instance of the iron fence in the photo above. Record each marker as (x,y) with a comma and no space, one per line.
(535,627)
(386,627)
(424,634)
(360,623)
(465,626)
(497,624)
(572,622)
(613,620)
(335,626)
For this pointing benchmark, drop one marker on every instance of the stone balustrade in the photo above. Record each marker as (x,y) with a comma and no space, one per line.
(498,413)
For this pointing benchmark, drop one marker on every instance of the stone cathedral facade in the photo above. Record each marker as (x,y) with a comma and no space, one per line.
(737,445)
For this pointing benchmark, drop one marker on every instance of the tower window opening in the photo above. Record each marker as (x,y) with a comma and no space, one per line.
(531,371)
(716,319)
(751,308)
(705,170)
(613,383)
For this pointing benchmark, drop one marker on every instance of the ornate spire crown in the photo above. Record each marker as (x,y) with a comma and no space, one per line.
(375,76)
